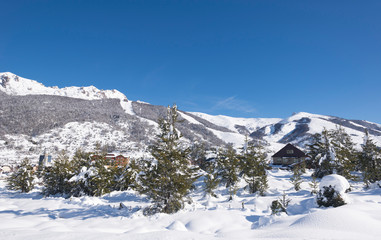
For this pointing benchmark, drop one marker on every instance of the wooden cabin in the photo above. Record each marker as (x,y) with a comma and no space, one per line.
(288,155)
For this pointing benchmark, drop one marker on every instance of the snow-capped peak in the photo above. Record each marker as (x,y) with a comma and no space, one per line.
(12,84)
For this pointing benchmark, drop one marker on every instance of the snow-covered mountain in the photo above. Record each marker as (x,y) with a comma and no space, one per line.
(35,117)
(12,84)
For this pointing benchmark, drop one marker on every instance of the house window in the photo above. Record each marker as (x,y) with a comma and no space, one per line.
(290,151)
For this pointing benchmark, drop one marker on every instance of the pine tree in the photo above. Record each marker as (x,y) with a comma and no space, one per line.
(126,176)
(103,179)
(253,166)
(370,161)
(229,168)
(82,158)
(198,154)
(296,179)
(168,180)
(23,178)
(329,197)
(333,152)
(322,154)
(92,177)
(280,205)
(345,153)
(211,180)
(314,184)
(56,178)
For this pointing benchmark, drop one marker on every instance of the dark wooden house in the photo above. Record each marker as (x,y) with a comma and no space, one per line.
(288,156)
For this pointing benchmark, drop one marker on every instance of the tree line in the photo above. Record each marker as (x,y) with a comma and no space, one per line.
(169,177)
(333,151)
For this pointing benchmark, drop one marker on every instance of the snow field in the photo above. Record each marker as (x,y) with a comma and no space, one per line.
(31,215)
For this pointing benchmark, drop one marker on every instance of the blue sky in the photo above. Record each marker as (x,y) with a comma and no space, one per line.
(238,58)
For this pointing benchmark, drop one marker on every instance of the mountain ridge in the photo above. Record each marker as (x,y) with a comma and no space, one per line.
(35,118)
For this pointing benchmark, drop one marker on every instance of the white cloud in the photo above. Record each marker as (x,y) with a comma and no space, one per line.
(232,103)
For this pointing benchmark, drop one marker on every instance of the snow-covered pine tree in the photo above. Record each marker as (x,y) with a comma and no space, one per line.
(314,184)
(329,197)
(370,161)
(198,154)
(92,177)
(22,179)
(345,153)
(253,165)
(296,179)
(168,180)
(103,179)
(211,180)
(322,154)
(229,168)
(280,205)
(56,178)
(126,176)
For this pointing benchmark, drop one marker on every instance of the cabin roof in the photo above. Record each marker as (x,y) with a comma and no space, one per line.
(286,152)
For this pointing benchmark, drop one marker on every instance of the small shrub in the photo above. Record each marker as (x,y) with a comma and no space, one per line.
(280,205)
(22,179)
(329,197)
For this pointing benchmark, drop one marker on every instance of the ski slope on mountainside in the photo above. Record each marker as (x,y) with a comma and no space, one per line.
(251,124)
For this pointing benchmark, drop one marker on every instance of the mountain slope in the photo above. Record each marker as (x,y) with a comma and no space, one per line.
(35,117)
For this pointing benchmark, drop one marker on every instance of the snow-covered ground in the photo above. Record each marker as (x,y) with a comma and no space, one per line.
(31,216)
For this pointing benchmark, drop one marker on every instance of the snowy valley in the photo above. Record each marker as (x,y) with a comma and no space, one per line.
(29,215)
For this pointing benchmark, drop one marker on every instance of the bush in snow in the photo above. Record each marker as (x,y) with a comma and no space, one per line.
(23,178)
(280,205)
(332,191)
(55,178)
(93,179)
(329,197)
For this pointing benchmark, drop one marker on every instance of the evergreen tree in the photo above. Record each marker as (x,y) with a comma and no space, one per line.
(56,178)
(93,177)
(253,165)
(229,168)
(198,154)
(314,184)
(370,161)
(345,154)
(126,176)
(211,180)
(280,205)
(333,152)
(322,154)
(296,179)
(168,180)
(329,197)
(103,179)
(23,178)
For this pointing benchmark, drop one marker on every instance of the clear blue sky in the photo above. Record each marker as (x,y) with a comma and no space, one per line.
(238,58)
